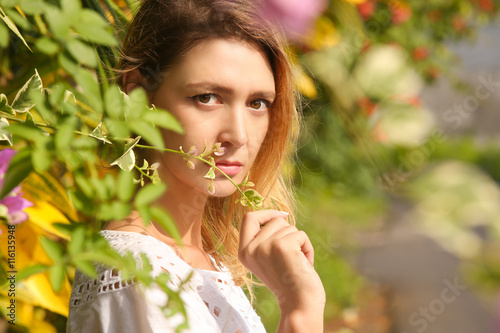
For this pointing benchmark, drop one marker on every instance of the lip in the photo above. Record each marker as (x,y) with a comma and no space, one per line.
(230,168)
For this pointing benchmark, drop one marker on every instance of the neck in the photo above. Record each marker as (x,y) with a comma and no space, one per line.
(185,206)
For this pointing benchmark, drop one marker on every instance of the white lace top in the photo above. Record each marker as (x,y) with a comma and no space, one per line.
(110,304)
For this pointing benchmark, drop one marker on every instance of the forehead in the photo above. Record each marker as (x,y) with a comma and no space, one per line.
(230,62)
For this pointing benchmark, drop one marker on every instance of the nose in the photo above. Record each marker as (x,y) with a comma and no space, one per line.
(234,130)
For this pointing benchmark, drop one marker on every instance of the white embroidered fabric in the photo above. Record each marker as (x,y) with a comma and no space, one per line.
(110,304)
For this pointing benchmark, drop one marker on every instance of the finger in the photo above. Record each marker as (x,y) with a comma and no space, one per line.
(270,228)
(250,226)
(304,244)
(274,230)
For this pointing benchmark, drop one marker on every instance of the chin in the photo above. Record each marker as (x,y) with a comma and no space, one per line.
(222,190)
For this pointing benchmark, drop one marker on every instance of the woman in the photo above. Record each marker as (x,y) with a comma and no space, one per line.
(222,71)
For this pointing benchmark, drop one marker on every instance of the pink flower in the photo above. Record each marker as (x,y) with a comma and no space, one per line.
(220,151)
(295,16)
(13,204)
(400,13)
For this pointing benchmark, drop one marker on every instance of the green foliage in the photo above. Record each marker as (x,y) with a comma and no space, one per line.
(76,126)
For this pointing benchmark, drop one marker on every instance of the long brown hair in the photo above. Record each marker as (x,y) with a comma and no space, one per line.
(160,34)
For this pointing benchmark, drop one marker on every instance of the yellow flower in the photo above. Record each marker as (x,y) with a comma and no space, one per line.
(34,295)
(324,35)
(356,2)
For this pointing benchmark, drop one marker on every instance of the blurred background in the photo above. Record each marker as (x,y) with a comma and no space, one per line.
(397,170)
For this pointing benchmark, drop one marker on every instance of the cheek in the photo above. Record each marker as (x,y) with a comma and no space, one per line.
(264,129)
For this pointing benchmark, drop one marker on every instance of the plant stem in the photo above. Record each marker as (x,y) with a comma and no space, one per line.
(198,158)
(23,121)
(140,170)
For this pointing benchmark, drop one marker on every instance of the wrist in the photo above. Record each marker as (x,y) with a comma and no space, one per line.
(298,320)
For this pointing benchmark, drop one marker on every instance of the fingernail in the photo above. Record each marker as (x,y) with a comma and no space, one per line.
(284,212)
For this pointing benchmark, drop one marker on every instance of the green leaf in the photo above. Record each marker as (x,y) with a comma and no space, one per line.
(81,202)
(12,26)
(145,213)
(31,270)
(44,108)
(94,256)
(150,133)
(31,7)
(99,135)
(90,87)
(86,267)
(120,210)
(84,184)
(126,186)
(67,63)
(118,129)
(5,134)
(126,161)
(4,36)
(57,274)
(26,131)
(69,97)
(42,157)
(149,194)
(166,222)
(114,102)
(47,46)
(56,95)
(109,184)
(65,228)
(24,101)
(82,52)
(58,23)
(136,103)
(93,27)
(21,22)
(71,9)
(164,119)
(252,197)
(30,121)
(65,133)
(52,248)
(77,240)
(19,168)
(99,188)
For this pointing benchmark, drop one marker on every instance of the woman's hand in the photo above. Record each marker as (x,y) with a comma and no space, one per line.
(282,257)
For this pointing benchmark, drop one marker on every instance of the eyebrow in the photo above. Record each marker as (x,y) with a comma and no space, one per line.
(210,86)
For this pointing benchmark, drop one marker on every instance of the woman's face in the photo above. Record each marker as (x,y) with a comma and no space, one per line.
(221,91)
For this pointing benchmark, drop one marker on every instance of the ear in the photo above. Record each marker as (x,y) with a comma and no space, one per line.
(132,80)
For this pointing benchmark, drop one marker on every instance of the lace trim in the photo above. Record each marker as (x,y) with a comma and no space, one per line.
(86,289)
(226,302)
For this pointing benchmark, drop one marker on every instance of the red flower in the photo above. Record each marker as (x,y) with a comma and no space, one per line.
(400,13)
(420,53)
(366,9)
(367,105)
(487,5)
(459,23)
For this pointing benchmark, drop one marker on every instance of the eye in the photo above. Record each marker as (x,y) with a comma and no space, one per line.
(207,99)
(260,105)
